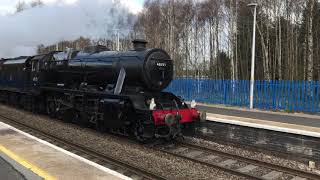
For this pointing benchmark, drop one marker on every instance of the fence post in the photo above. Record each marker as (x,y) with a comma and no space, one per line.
(300,96)
(317,96)
(312,90)
(257,94)
(293,105)
(225,91)
(189,88)
(303,94)
(274,92)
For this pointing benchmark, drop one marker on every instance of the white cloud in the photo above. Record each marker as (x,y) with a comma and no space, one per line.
(6,9)
(135,6)
(8,6)
(22,32)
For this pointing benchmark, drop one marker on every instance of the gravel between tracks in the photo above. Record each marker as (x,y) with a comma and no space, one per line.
(139,155)
(254,155)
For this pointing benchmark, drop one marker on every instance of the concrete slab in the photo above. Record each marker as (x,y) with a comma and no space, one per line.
(49,161)
(247,168)
(8,172)
(264,124)
(19,168)
(179,150)
(134,177)
(272,175)
(208,158)
(305,119)
(228,162)
(298,178)
(193,154)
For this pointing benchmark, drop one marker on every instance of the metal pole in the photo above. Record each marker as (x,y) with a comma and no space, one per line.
(118,41)
(253,53)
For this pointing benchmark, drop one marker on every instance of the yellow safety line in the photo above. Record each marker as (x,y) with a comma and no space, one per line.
(27,164)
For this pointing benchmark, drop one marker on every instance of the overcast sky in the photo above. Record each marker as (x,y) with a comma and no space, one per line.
(61,20)
(8,6)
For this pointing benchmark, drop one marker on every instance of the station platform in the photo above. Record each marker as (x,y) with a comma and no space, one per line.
(294,123)
(33,158)
(8,172)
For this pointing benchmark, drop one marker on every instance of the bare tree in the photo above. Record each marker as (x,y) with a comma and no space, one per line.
(310,42)
(36,3)
(212,38)
(21,5)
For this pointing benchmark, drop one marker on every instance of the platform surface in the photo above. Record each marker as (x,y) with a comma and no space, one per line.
(47,160)
(8,172)
(297,123)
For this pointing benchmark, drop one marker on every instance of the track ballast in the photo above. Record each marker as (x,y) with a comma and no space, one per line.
(88,153)
(234,164)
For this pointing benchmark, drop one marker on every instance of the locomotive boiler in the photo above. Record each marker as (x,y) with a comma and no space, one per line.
(150,69)
(110,90)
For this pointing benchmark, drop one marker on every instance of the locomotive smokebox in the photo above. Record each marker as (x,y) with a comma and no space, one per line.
(139,44)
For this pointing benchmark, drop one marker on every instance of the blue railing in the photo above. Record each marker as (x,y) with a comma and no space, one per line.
(297,96)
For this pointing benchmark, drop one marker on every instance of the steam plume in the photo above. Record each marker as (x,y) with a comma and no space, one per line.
(22,32)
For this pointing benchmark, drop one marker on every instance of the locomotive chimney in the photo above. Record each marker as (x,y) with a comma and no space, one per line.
(139,44)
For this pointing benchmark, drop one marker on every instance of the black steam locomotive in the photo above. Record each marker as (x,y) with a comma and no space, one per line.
(109,90)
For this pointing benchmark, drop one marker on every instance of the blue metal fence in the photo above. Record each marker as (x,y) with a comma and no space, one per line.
(297,96)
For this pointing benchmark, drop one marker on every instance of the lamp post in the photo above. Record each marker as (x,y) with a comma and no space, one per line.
(254,5)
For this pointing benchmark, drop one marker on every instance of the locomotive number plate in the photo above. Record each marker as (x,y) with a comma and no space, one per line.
(161,64)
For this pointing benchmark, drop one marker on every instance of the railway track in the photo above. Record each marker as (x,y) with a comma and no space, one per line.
(237,165)
(234,164)
(88,153)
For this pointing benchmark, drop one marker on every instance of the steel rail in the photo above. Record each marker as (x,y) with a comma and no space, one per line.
(216,166)
(100,158)
(266,165)
(105,159)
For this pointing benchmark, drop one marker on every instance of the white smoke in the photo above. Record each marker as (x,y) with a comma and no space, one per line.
(22,32)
